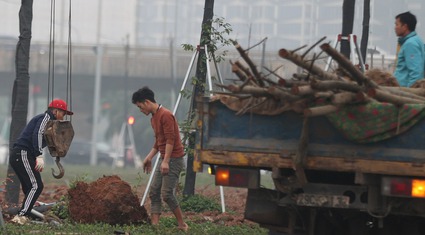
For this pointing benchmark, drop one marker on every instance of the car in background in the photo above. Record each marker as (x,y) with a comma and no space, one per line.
(79,153)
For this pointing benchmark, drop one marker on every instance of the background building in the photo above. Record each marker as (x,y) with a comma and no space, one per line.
(285,23)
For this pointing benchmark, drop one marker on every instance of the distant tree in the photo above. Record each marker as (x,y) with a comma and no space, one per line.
(365,33)
(20,93)
(347,25)
(199,90)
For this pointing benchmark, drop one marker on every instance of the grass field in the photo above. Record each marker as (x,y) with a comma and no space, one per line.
(137,179)
(134,177)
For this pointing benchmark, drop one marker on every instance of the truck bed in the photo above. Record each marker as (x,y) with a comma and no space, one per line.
(225,138)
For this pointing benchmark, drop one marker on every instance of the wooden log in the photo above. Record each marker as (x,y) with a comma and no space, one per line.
(282,94)
(298,60)
(301,76)
(362,97)
(302,90)
(348,66)
(231,87)
(336,85)
(383,96)
(416,91)
(347,97)
(291,83)
(246,71)
(250,63)
(323,94)
(239,73)
(254,90)
(321,110)
(403,93)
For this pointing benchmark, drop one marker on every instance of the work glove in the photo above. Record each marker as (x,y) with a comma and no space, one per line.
(39,163)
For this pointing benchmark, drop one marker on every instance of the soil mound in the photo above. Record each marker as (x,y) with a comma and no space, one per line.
(108,199)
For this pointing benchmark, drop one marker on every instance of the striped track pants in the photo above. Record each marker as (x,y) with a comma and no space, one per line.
(31,182)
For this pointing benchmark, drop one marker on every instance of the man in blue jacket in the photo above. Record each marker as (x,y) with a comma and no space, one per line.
(411,56)
(26,156)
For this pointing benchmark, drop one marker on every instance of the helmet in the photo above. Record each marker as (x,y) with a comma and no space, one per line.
(60,104)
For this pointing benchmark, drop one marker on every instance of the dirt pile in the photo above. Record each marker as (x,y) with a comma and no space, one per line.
(108,199)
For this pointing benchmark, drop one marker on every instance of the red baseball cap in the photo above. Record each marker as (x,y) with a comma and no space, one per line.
(60,104)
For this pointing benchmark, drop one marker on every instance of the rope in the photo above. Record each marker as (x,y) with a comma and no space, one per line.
(51,73)
(51,70)
(69,63)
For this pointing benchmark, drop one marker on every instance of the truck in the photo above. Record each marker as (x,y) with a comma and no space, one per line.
(323,183)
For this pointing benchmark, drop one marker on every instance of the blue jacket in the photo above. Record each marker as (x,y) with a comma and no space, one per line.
(31,138)
(410,60)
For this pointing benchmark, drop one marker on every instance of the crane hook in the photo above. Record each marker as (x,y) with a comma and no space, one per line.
(61,170)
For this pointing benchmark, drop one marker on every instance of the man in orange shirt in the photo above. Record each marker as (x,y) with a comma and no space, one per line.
(168,143)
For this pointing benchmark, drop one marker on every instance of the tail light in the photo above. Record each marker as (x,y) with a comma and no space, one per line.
(403,187)
(237,177)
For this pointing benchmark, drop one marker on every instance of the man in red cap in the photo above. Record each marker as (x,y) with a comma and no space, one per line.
(26,156)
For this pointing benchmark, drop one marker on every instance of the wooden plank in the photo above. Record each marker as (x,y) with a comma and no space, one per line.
(250,159)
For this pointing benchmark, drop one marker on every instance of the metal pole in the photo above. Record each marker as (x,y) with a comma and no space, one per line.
(97,83)
(174,113)
(173,71)
(208,69)
(223,205)
(125,142)
(185,81)
(220,78)
(96,104)
(210,90)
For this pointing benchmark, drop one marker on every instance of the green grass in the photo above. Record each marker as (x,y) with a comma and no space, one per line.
(167,226)
(136,178)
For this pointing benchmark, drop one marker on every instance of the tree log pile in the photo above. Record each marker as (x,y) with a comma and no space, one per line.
(315,92)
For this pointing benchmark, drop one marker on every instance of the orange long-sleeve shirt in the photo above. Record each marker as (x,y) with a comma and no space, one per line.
(166,131)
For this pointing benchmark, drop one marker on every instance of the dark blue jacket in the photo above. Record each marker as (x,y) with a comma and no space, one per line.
(31,138)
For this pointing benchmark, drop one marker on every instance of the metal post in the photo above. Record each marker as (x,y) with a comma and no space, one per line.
(359,53)
(220,78)
(127,52)
(351,40)
(96,103)
(136,160)
(208,69)
(97,84)
(210,90)
(185,81)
